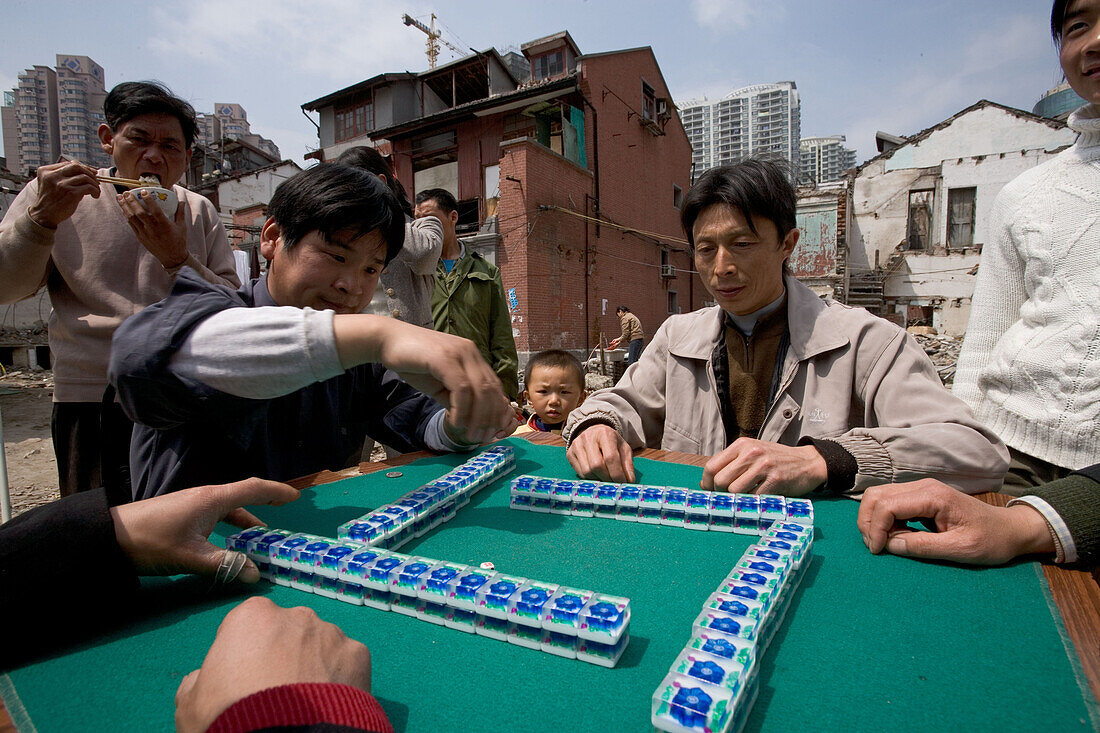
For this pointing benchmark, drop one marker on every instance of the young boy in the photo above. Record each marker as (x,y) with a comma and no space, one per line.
(553,387)
(286,376)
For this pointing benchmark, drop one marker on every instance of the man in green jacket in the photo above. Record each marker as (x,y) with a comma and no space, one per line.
(468,299)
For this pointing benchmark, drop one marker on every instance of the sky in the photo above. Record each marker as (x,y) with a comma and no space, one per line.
(860,65)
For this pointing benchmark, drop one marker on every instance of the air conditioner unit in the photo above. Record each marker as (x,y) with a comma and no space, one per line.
(668,271)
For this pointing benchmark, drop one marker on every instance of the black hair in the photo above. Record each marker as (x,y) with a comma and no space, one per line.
(622,309)
(554,358)
(374,162)
(330,198)
(1058,19)
(132,99)
(757,186)
(441,196)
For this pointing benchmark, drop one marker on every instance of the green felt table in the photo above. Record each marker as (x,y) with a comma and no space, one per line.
(869,643)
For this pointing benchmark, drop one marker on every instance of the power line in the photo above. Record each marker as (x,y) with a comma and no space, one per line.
(622,228)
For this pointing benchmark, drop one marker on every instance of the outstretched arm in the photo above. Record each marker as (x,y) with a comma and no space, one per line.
(161,536)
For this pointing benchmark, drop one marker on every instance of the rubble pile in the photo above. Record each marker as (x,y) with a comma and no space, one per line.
(36,335)
(27,378)
(944,353)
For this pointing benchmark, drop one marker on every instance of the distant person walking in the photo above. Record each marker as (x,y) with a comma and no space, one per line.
(632,335)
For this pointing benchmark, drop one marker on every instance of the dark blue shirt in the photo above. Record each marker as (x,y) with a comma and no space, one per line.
(190,434)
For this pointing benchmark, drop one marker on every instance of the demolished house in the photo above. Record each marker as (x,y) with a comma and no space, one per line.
(919,211)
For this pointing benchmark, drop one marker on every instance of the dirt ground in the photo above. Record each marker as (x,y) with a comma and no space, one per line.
(26,402)
(25,407)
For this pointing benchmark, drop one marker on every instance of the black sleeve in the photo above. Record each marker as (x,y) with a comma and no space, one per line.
(399,415)
(841,465)
(1076,498)
(61,574)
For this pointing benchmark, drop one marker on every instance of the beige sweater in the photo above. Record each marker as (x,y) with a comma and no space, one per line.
(98,274)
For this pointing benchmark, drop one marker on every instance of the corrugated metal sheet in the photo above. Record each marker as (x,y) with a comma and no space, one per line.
(815,255)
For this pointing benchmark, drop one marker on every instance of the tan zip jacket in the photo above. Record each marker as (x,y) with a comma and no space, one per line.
(848,376)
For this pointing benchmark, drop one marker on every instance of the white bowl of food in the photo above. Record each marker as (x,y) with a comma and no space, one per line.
(165,198)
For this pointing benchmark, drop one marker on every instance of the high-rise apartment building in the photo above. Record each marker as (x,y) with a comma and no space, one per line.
(55,112)
(762,118)
(824,159)
(230,122)
(11,132)
(80,94)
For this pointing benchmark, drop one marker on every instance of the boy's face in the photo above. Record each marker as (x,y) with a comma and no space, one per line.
(339,274)
(742,269)
(553,393)
(1080,54)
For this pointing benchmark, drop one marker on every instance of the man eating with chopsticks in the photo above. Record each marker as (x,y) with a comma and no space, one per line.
(103,255)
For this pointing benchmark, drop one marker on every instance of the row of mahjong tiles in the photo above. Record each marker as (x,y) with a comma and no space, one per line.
(537,615)
(668,505)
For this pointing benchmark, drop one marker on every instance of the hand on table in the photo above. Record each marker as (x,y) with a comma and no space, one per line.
(599,452)
(260,645)
(166,239)
(967,529)
(750,466)
(447,368)
(167,535)
(61,187)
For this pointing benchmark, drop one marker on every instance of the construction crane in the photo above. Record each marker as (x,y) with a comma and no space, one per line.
(435,37)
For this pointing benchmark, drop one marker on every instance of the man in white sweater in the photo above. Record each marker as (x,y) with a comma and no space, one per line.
(104,256)
(1030,365)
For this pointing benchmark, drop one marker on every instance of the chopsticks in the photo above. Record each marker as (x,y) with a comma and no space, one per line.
(128,182)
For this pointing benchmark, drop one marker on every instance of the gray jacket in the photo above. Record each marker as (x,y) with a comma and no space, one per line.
(404,291)
(848,376)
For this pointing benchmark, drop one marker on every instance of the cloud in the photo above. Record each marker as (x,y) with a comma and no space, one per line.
(1009,63)
(334,39)
(726,15)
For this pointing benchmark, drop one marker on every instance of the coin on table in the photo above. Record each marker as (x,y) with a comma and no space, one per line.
(393,474)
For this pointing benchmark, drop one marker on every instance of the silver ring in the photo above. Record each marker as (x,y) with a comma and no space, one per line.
(230,567)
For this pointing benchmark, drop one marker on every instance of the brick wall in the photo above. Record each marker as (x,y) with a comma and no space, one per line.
(543,249)
(637,173)
(545,245)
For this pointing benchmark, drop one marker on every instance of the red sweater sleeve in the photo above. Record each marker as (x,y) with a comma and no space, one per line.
(304,705)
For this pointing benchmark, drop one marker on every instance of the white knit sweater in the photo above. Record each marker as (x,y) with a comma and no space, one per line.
(1030,365)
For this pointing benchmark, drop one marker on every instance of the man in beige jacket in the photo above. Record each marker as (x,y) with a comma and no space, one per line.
(787,392)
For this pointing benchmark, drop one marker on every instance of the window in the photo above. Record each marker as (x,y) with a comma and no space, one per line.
(920,220)
(960,217)
(352,122)
(468,218)
(548,65)
(677,196)
(649,102)
(673,302)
